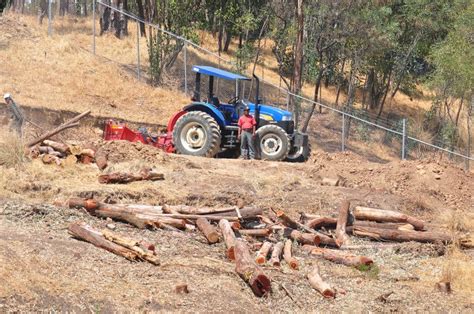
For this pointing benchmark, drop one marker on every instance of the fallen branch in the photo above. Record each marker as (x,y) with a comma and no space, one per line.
(319,284)
(288,221)
(86,233)
(249,271)
(380,215)
(338,257)
(319,222)
(66,125)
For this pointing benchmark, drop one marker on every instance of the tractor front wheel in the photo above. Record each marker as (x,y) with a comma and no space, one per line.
(272,143)
(196,133)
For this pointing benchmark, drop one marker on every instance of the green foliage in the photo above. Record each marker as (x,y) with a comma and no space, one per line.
(372,271)
(448,134)
(244,56)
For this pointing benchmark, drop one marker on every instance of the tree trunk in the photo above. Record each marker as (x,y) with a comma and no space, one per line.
(317,283)
(401,235)
(380,215)
(208,230)
(263,253)
(387,87)
(249,271)
(141,15)
(339,83)
(459,111)
(125,19)
(276,254)
(341,236)
(42,9)
(338,257)
(229,238)
(298,59)
(287,256)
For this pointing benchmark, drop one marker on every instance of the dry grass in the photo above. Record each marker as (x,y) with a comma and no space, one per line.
(12,151)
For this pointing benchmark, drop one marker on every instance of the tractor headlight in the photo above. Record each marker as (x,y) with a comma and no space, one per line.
(286,118)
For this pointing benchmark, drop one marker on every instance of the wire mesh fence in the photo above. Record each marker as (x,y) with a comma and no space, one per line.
(335,129)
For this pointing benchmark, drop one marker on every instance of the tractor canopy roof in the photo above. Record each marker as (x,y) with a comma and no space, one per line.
(211,71)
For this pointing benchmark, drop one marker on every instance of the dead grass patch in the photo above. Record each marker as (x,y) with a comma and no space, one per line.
(12,152)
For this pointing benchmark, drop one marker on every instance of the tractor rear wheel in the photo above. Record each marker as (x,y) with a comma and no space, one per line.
(196,133)
(272,143)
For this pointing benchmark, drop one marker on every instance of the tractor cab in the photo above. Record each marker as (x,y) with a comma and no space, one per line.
(208,125)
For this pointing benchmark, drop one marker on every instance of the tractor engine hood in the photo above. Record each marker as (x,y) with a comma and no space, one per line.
(270,113)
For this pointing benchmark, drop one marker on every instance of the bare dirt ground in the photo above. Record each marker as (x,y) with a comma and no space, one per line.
(43,269)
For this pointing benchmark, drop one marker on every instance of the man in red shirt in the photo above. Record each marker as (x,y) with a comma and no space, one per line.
(246,134)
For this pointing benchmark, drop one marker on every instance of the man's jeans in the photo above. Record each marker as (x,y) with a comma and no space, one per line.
(247,149)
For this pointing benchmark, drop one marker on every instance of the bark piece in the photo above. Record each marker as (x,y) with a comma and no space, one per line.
(330,181)
(126,177)
(319,284)
(338,257)
(276,254)
(208,230)
(68,124)
(229,238)
(341,236)
(287,256)
(402,235)
(380,215)
(263,253)
(249,271)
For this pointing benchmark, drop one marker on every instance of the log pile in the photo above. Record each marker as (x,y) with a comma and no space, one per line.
(52,152)
(254,240)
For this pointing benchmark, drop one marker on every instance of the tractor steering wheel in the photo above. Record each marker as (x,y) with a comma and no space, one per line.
(233,100)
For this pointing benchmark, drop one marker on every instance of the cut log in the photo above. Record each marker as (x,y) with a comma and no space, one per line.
(142,251)
(287,256)
(126,177)
(338,257)
(101,159)
(327,222)
(50,159)
(276,254)
(341,236)
(305,238)
(229,238)
(255,232)
(208,230)
(87,152)
(373,224)
(263,253)
(68,124)
(243,213)
(249,271)
(57,146)
(380,215)
(86,233)
(402,235)
(319,284)
(192,210)
(88,204)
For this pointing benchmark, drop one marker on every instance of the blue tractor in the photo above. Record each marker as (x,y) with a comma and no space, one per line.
(208,127)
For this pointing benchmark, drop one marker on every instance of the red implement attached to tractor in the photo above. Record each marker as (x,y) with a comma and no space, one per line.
(120,131)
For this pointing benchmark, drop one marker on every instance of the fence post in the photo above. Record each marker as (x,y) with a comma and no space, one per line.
(138,50)
(343,133)
(93,27)
(49,17)
(404,138)
(185,61)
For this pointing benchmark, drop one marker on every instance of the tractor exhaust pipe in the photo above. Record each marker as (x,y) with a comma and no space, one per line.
(257,100)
